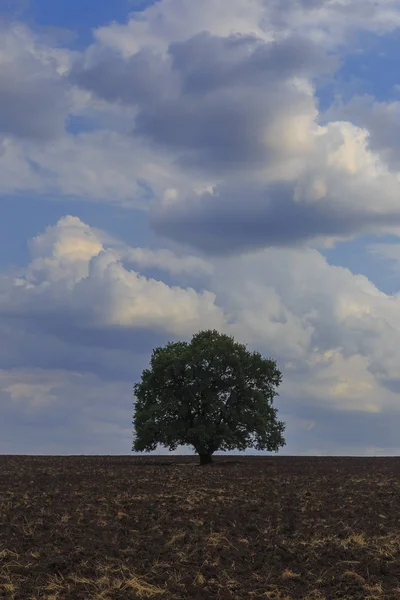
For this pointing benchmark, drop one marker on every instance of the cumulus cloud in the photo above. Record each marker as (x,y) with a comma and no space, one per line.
(332,198)
(98,162)
(330,323)
(380,119)
(242,111)
(331,329)
(217,103)
(223,106)
(201,64)
(213,124)
(333,332)
(66,320)
(73,279)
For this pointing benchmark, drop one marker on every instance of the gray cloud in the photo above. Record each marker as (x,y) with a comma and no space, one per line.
(57,412)
(34,99)
(207,63)
(212,99)
(29,343)
(199,65)
(243,112)
(241,218)
(137,80)
(339,433)
(31,106)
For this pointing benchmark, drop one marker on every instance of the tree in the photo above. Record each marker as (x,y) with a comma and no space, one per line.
(212,394)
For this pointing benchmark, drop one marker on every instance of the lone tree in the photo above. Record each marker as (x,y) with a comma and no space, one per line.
(211,393)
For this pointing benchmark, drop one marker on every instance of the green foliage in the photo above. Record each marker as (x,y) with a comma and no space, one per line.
(211,393)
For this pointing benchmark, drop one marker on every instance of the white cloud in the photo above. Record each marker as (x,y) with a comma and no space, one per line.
(72,276)
(379,119)
(242,112)
(329,195)
(99,166)
(328,23)
(102,162)
(333,333)
(220,136)
(332,23)
(217,111)
(62,253)
(177,20)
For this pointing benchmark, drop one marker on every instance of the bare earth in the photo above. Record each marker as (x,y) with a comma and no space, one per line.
(116,527)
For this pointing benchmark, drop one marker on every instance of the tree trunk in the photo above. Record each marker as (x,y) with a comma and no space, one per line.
(205,459)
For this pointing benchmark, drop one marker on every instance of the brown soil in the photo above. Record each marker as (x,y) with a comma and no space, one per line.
(116,527)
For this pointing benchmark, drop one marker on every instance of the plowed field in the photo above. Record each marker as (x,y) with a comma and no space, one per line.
(122,527)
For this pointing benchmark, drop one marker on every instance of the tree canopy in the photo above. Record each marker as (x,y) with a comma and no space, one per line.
(212,394)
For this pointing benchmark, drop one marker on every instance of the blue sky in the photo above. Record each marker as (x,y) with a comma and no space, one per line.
(79,18)
(174,166)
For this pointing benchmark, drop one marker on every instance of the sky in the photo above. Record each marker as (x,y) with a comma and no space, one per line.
(172,166)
